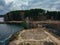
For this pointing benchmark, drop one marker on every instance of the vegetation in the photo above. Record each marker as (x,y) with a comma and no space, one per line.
(2,15)
(33,14)
(24,24)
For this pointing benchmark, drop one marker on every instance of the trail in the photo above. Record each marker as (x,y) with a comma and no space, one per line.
(53,38)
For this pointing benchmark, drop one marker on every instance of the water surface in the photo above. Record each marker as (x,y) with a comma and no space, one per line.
(6,30)
(1,19)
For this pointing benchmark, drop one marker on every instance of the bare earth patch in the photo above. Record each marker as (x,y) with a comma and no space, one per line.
(35,36)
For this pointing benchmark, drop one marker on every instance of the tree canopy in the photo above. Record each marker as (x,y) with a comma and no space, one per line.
(34,14)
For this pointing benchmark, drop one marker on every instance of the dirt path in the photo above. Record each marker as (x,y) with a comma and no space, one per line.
(50,37)
(53,38)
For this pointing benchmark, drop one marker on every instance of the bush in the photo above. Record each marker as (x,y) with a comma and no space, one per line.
(24,24)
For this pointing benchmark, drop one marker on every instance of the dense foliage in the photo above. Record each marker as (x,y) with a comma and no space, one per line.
(33,14)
